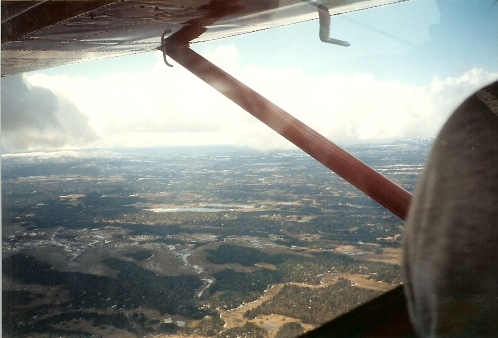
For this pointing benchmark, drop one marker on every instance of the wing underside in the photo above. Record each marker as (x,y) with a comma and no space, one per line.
(45,34)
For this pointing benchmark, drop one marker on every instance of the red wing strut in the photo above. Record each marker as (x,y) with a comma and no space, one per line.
(373,184)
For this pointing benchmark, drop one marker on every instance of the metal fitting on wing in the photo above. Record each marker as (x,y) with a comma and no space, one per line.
(324,18)
(163,47)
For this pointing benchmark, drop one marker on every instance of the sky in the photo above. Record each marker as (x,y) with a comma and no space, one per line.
(409,65)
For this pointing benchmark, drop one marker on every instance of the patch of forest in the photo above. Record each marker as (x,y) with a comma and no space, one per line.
(143,229)
(45,325)
(228,253)
(314,305)
(12,298)
(299,268)
(244,224)
(210,326)
(133,287)
(135,323)
(336,225)
(310,269)
(290,330)
(12,168)
(140,255)
(233,288)
(53,212)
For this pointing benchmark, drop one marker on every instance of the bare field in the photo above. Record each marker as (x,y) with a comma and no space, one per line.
(274,322)
(389,255)
(359,280)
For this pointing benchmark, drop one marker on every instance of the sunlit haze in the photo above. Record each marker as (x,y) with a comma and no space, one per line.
(409,65)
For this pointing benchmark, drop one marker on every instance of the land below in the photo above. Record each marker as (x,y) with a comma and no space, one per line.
(115,244)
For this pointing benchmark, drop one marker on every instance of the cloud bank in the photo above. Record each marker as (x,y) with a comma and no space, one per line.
(34,118)
(169,106)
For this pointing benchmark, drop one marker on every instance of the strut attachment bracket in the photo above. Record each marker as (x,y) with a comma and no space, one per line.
(163,47)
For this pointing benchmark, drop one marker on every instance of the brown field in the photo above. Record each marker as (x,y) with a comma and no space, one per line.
(277,321)
(360,281)
(390,255)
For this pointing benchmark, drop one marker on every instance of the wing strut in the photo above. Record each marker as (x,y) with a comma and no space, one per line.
(373,184)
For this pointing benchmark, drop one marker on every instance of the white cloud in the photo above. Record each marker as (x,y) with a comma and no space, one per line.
(34,118)
(169,106)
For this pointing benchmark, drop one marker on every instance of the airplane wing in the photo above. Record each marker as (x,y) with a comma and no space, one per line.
(45,34)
